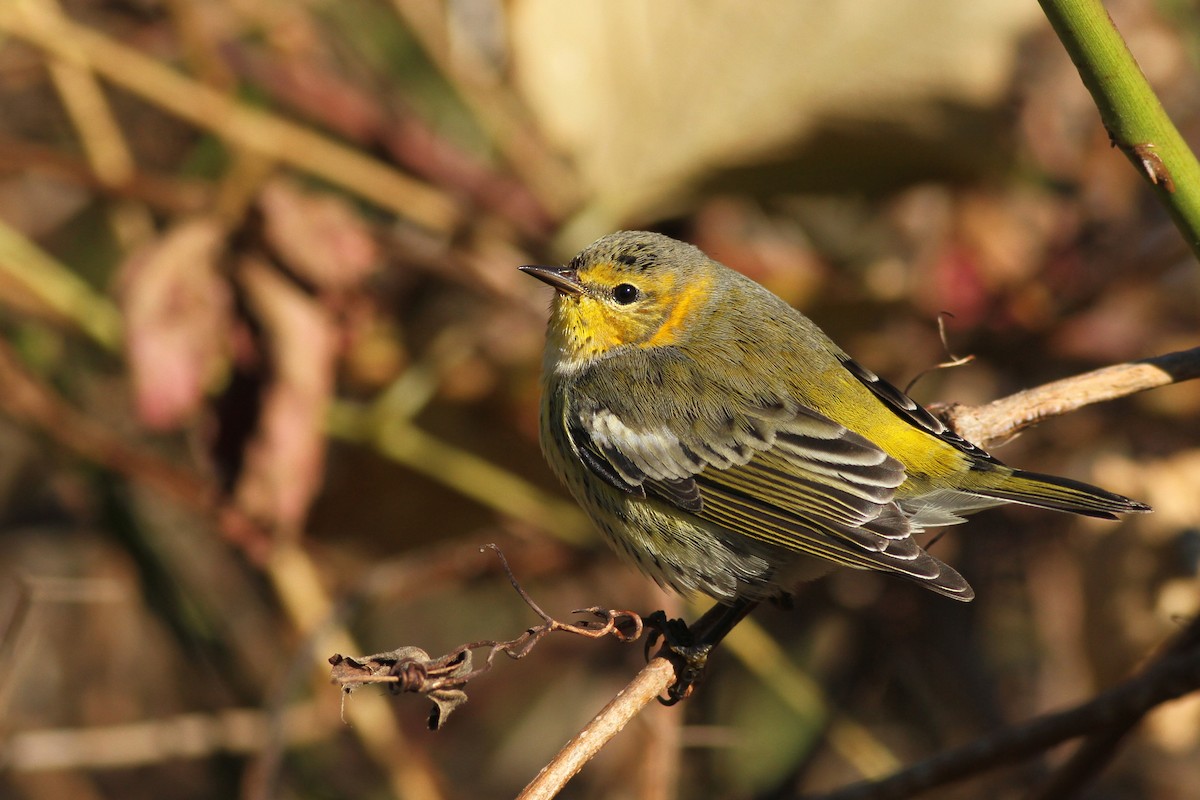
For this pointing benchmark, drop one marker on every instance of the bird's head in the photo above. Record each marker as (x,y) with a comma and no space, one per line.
(630,288)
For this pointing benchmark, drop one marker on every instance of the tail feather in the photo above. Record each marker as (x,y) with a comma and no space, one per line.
(1061,494)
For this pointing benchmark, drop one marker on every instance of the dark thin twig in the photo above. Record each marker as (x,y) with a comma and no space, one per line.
(529,601)
(14,621)
(1097,750)
(955,361)
(1171,677)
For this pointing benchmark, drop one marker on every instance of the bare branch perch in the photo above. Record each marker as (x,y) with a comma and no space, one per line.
(654,679)
(1001,419)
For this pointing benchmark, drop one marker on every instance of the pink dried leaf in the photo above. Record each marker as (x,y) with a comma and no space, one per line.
(285,457)
(319,236)
(177,312)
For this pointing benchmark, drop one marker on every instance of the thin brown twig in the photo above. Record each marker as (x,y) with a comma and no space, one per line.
(653,679)
(1170,677)
(669,673)
(954,361)
(1097,750)
(440,566)
(296,581)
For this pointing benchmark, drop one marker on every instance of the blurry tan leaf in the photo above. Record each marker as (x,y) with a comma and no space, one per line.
(37,204)
(1170,485)
(647,97)
(284,460)
(318,235)
(176,308)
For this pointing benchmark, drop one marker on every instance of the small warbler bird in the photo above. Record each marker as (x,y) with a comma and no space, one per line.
(724,444)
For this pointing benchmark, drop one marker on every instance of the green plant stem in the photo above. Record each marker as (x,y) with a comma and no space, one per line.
(1129,108)
(54,286)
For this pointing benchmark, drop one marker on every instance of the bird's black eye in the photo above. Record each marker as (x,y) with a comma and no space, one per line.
(625,293)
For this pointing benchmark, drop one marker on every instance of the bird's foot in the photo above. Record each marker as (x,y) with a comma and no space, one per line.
(679,644)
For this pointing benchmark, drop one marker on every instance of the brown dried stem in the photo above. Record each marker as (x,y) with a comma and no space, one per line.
(442,679)
(653,679)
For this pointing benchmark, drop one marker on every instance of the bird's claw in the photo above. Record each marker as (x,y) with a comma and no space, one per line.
(679,645)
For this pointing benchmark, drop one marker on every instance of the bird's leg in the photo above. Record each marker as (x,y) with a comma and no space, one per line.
(690,647)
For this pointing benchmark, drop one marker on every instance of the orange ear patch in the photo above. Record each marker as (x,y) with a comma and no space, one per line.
(688,300)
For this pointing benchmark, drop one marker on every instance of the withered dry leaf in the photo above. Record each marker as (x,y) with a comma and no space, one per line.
(285,458)
(410,669)
(177,314)
(317,235)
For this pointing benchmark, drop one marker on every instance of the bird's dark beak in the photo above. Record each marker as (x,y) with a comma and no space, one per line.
(563,279)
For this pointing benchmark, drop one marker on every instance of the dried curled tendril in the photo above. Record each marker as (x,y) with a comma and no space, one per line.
(442,679)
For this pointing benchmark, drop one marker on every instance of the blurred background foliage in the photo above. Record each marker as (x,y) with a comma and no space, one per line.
(269,379)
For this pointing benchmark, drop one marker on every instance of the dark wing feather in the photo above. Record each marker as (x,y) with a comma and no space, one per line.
(914,413)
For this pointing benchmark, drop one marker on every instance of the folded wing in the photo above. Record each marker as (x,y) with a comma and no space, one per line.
(779,473)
